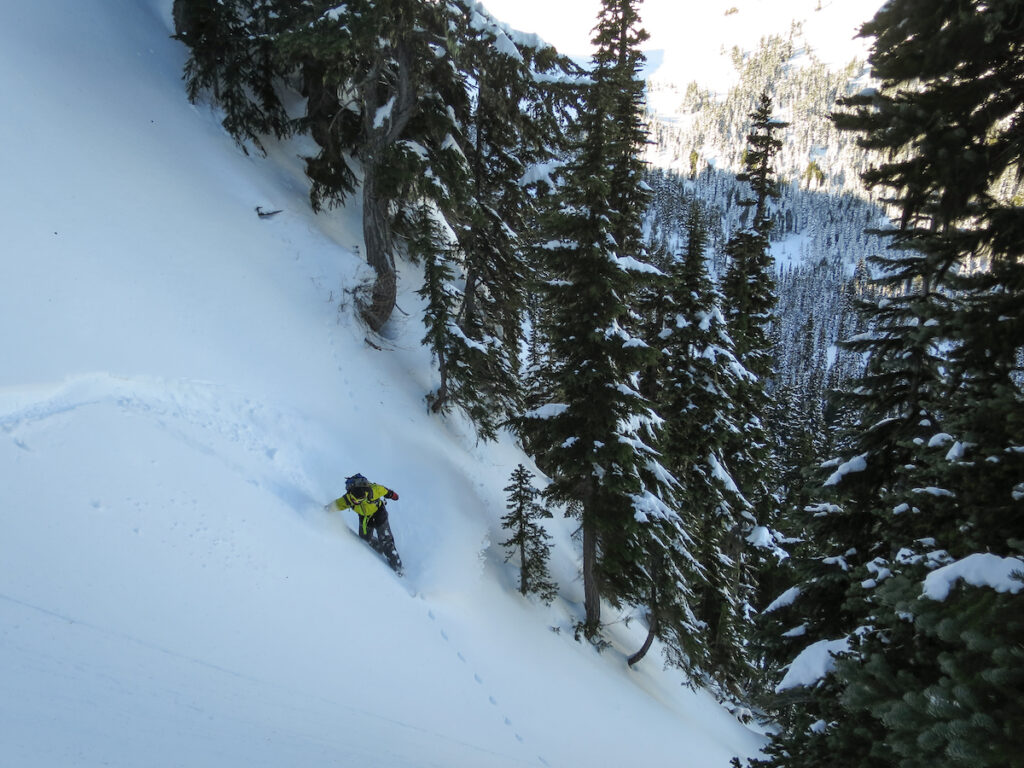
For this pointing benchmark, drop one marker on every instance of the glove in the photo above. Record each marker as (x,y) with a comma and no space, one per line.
(392,495)
(330,507)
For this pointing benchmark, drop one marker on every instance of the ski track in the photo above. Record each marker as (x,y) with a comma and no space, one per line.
(217,422)
(207,417)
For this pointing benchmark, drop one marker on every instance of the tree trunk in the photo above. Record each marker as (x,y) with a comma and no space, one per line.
(178,14)
(653,612)
(467,314)
(377,136)
(524,586)
(591,594)
(652,632)
(379,254)
(439,400)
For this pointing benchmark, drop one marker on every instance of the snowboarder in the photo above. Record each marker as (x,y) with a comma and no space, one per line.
(366,499)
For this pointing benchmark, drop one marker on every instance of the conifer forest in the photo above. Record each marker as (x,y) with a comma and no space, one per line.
(767,356)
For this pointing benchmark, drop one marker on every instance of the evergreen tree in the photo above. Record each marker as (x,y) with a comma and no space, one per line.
(528,540)
(701,372)
(376,92)
(940,678)
(935,476)
(403,107)
(597,436)
(748,285)
(749,297)
(438,290)
(233,56)
(514,125)
(423,107)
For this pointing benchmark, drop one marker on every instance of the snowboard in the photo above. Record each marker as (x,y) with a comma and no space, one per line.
(394,562)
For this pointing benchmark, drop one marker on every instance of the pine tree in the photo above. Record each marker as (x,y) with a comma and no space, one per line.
(233,56)
(940,677)
(748,285)
(529,542)
(404,105)
(376,90)
(597,435)
(488,322)
(937,456)
(962,278)
(438,255)
(749,297)
(514,125)
(695,399)
(440,120)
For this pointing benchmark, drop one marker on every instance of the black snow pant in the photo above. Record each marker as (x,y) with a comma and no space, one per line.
(376,531)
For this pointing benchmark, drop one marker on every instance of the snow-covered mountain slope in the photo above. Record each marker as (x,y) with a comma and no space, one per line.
(804,53)
(183,387)
(694,41)
(699,38)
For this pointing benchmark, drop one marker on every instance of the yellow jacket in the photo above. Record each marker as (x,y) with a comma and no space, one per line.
(365,508)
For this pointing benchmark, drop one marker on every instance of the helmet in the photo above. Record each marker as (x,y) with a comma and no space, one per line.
(357,484)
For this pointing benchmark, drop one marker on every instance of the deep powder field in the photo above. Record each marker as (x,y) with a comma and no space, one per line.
(184,385)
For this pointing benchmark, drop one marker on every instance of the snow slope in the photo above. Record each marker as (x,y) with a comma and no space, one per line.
(712,29)
(182,388)
(693,41)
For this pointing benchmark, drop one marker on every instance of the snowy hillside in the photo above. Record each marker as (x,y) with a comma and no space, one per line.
(804,53)
(183,387)
(826,28)
(693,41)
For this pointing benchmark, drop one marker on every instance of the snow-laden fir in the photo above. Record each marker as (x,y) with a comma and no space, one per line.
(183,387)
